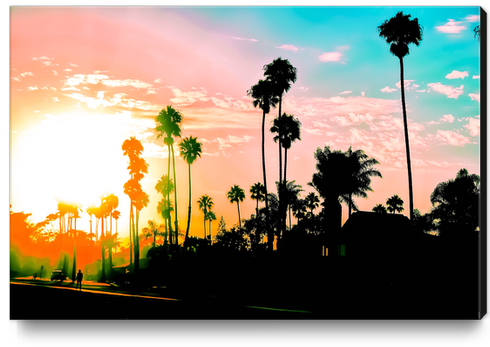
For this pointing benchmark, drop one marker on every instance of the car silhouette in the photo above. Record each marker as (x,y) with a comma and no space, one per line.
(57,275)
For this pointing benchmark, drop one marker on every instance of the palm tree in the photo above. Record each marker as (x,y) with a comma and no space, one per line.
(210,216)
(205,204)
(258,193)
(400,31)
(394,204)
(165,186)
(290,130)
(138,198)
(116,214)
(291,193)
(153,230)
(379,208)
(361,170)
(312,201)
(281,74)
(236,194)
(263,97)
(190,149)
(168,124)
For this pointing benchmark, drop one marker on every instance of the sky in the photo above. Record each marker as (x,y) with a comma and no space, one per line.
(84,79)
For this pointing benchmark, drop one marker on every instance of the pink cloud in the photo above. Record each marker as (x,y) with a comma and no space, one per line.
(472,18)
(473,126)
(452,138)
(451,27)
(447,118)
(451,92)
(388,90)
(288,48)
(408,84)
(475,97)
(330,56)
(457,74)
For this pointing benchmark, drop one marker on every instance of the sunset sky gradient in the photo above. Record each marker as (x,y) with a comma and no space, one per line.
(84,79)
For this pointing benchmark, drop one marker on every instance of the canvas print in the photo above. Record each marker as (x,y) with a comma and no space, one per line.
(247,162)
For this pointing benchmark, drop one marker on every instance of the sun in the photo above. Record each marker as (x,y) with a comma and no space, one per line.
(71,157)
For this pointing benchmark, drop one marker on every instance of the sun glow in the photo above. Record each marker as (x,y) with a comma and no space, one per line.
(73,157)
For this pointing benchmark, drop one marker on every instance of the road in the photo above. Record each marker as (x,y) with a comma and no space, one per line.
(59,301)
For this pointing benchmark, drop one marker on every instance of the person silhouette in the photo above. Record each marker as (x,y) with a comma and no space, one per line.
(79,279)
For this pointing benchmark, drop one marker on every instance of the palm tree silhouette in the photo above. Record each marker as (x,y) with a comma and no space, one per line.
(168,125)
(236,194)
(190,150)
(258,193)
(291,193)
(290,130)
(312,201)
(205,204)
(263,97)
(165,186)
(361,170)
(394,204)
(401,31)
(281,74)
(379,208)
(210,216)
(153,230)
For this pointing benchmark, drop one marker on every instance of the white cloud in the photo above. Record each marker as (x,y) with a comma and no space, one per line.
(226,142)
(32,88)
(345,92)
(457,74)
(476,77)
(473,126)
(288,48)
(475,97)
(330,56)
(451,92)
(451,27)
(242,39)
(24,74)
(387,89)
(452,138)
(158,80)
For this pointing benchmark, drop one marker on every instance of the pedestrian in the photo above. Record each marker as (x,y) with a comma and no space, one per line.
(79,279)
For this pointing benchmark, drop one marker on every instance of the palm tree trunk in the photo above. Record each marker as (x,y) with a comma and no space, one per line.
(102,241)
(285,163)
(189,213)
(239,220)
(130,234)
(210,231)
(407,143)
(204,211)
(270,236)
(350,204)
(175,194)
(170,234)
(136,245)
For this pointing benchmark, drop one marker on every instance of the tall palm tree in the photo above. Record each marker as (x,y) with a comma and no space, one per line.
(205,204)
(116,214)
(394,204)
(168,124)
(281,74)
(290,129)
(258,193)
(236,194)
(264,97)
(190,150)
(361,170)
(400,31)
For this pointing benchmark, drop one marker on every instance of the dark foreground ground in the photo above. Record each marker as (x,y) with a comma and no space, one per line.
(32,302)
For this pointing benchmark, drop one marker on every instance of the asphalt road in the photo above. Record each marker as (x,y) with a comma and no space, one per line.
(32,300)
